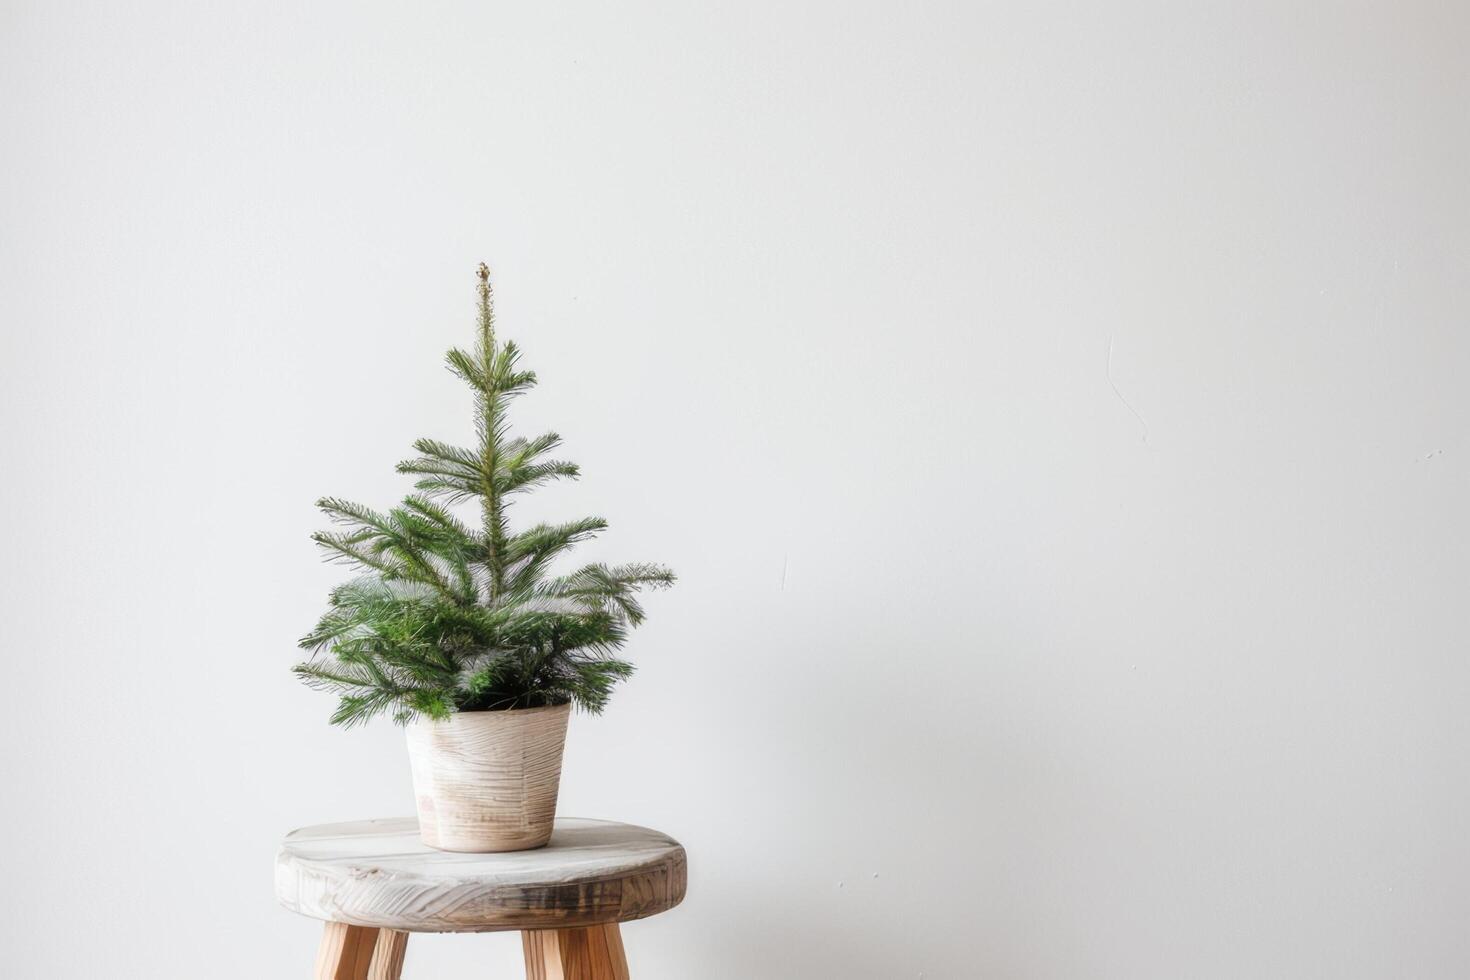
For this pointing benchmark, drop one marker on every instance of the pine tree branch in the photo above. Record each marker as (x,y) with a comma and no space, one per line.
(448,540)
(464,366)
(529,552)
(531,475)
(610,589)
(521,451)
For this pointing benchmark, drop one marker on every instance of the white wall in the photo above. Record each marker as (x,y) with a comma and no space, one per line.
(1057,414)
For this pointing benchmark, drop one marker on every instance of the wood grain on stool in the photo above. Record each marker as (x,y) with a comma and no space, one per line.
(388,955)
(346,952)
(378,873)
(593,953)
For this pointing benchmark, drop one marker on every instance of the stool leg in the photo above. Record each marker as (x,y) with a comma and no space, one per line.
(388,955)
(593,953)
(346,952)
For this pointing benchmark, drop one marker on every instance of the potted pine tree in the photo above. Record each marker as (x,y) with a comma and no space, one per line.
(460,630)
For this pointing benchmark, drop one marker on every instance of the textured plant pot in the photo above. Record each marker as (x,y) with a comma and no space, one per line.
(487,780)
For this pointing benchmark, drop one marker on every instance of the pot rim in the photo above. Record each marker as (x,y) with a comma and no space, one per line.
(508,711)
(491,713)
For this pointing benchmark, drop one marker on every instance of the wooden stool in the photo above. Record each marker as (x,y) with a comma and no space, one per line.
(374,882)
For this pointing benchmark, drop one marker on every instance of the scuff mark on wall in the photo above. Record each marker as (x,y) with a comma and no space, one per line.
(1126,403)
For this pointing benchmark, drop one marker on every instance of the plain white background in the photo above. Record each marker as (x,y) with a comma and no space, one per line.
(1056,412)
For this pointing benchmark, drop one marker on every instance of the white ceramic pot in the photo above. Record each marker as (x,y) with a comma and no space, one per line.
(487,780)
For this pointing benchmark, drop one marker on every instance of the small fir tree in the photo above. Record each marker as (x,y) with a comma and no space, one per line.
(450,618)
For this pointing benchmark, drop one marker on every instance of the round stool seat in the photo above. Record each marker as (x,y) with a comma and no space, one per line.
(378,874)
